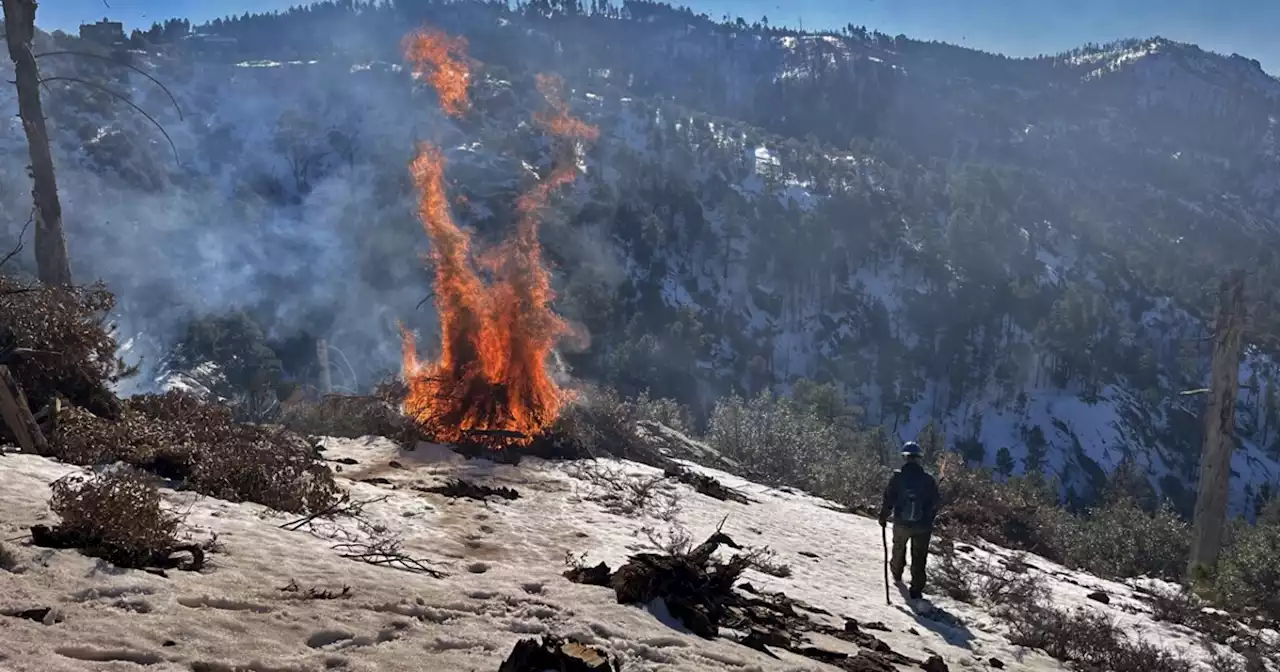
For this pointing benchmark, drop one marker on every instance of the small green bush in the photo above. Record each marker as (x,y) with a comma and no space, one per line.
(1121,540)
(1089,639)
(668,412)
(810,442)
(1247,577)
(774,439)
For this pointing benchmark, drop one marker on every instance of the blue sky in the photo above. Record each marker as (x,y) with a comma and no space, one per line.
(1014,27)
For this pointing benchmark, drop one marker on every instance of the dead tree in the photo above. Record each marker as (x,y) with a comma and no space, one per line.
(322,359)
(1220,426)
(53,267)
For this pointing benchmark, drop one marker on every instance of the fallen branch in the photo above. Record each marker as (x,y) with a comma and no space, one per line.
(17,416)
(555,653)
(47,417)
(699,591)
(21,237)
(314,593)
(457,488)
(705,484)
(343,507)
(386,553)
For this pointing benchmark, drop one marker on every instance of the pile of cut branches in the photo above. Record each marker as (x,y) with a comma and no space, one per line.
(698,589)
(56,343)
(55,348)
(200,445)
(58,365)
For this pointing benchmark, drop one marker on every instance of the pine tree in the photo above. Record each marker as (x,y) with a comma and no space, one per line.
(1269,510)
(1255,394)
(1004,462)
(1270,410)
(1129,482)
(932,442)
(1037,448)
(973,450)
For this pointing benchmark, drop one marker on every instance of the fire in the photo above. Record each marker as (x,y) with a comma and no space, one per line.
(491,376)
(446,56)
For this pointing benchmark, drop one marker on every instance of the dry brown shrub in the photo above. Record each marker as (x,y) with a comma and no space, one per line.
(601,423)
(1090,640)
(180,437)
(86,439)
(1011,584)
(624,493)
(8,559)
(1020,514)
(952,576)
(351,417)
(57,344)
(116,516)
(1084,637)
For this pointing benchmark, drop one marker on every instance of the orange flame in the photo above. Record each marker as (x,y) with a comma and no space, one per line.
(444,60)
(491,374)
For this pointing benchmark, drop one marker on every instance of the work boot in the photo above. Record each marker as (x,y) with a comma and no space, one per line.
(897,578)
(915,594)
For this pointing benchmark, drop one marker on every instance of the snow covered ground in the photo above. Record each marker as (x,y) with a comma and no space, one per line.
(504,561)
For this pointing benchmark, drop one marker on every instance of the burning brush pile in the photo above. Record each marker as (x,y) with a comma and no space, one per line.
(489,384)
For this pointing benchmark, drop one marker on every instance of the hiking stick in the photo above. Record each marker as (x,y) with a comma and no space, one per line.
(884,541)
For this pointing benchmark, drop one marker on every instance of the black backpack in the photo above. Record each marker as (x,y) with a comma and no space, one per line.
(912,496)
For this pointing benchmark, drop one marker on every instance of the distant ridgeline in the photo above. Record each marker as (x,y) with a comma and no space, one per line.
(1017,249)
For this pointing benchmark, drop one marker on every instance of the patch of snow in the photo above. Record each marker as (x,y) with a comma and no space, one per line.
(504,564)
(258,64)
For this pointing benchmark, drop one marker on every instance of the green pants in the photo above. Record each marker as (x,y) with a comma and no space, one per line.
(919,538)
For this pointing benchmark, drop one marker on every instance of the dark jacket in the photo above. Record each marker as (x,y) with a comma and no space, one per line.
(911,478)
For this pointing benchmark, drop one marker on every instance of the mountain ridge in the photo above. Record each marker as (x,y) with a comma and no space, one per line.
(948,235)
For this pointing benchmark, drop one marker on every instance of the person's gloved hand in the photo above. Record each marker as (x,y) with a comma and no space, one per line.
(884,522)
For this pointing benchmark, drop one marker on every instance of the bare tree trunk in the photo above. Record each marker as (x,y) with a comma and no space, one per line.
(52,265)
(322,358)
(1220,426)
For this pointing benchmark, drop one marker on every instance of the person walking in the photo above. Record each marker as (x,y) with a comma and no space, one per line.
(912,499)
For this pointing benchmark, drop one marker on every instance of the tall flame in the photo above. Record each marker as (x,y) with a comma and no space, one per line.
(491,374)
(444,61)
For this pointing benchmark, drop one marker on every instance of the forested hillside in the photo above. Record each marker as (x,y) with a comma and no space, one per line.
(1022,251)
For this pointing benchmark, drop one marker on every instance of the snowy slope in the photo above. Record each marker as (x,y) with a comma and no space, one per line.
(504,563)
